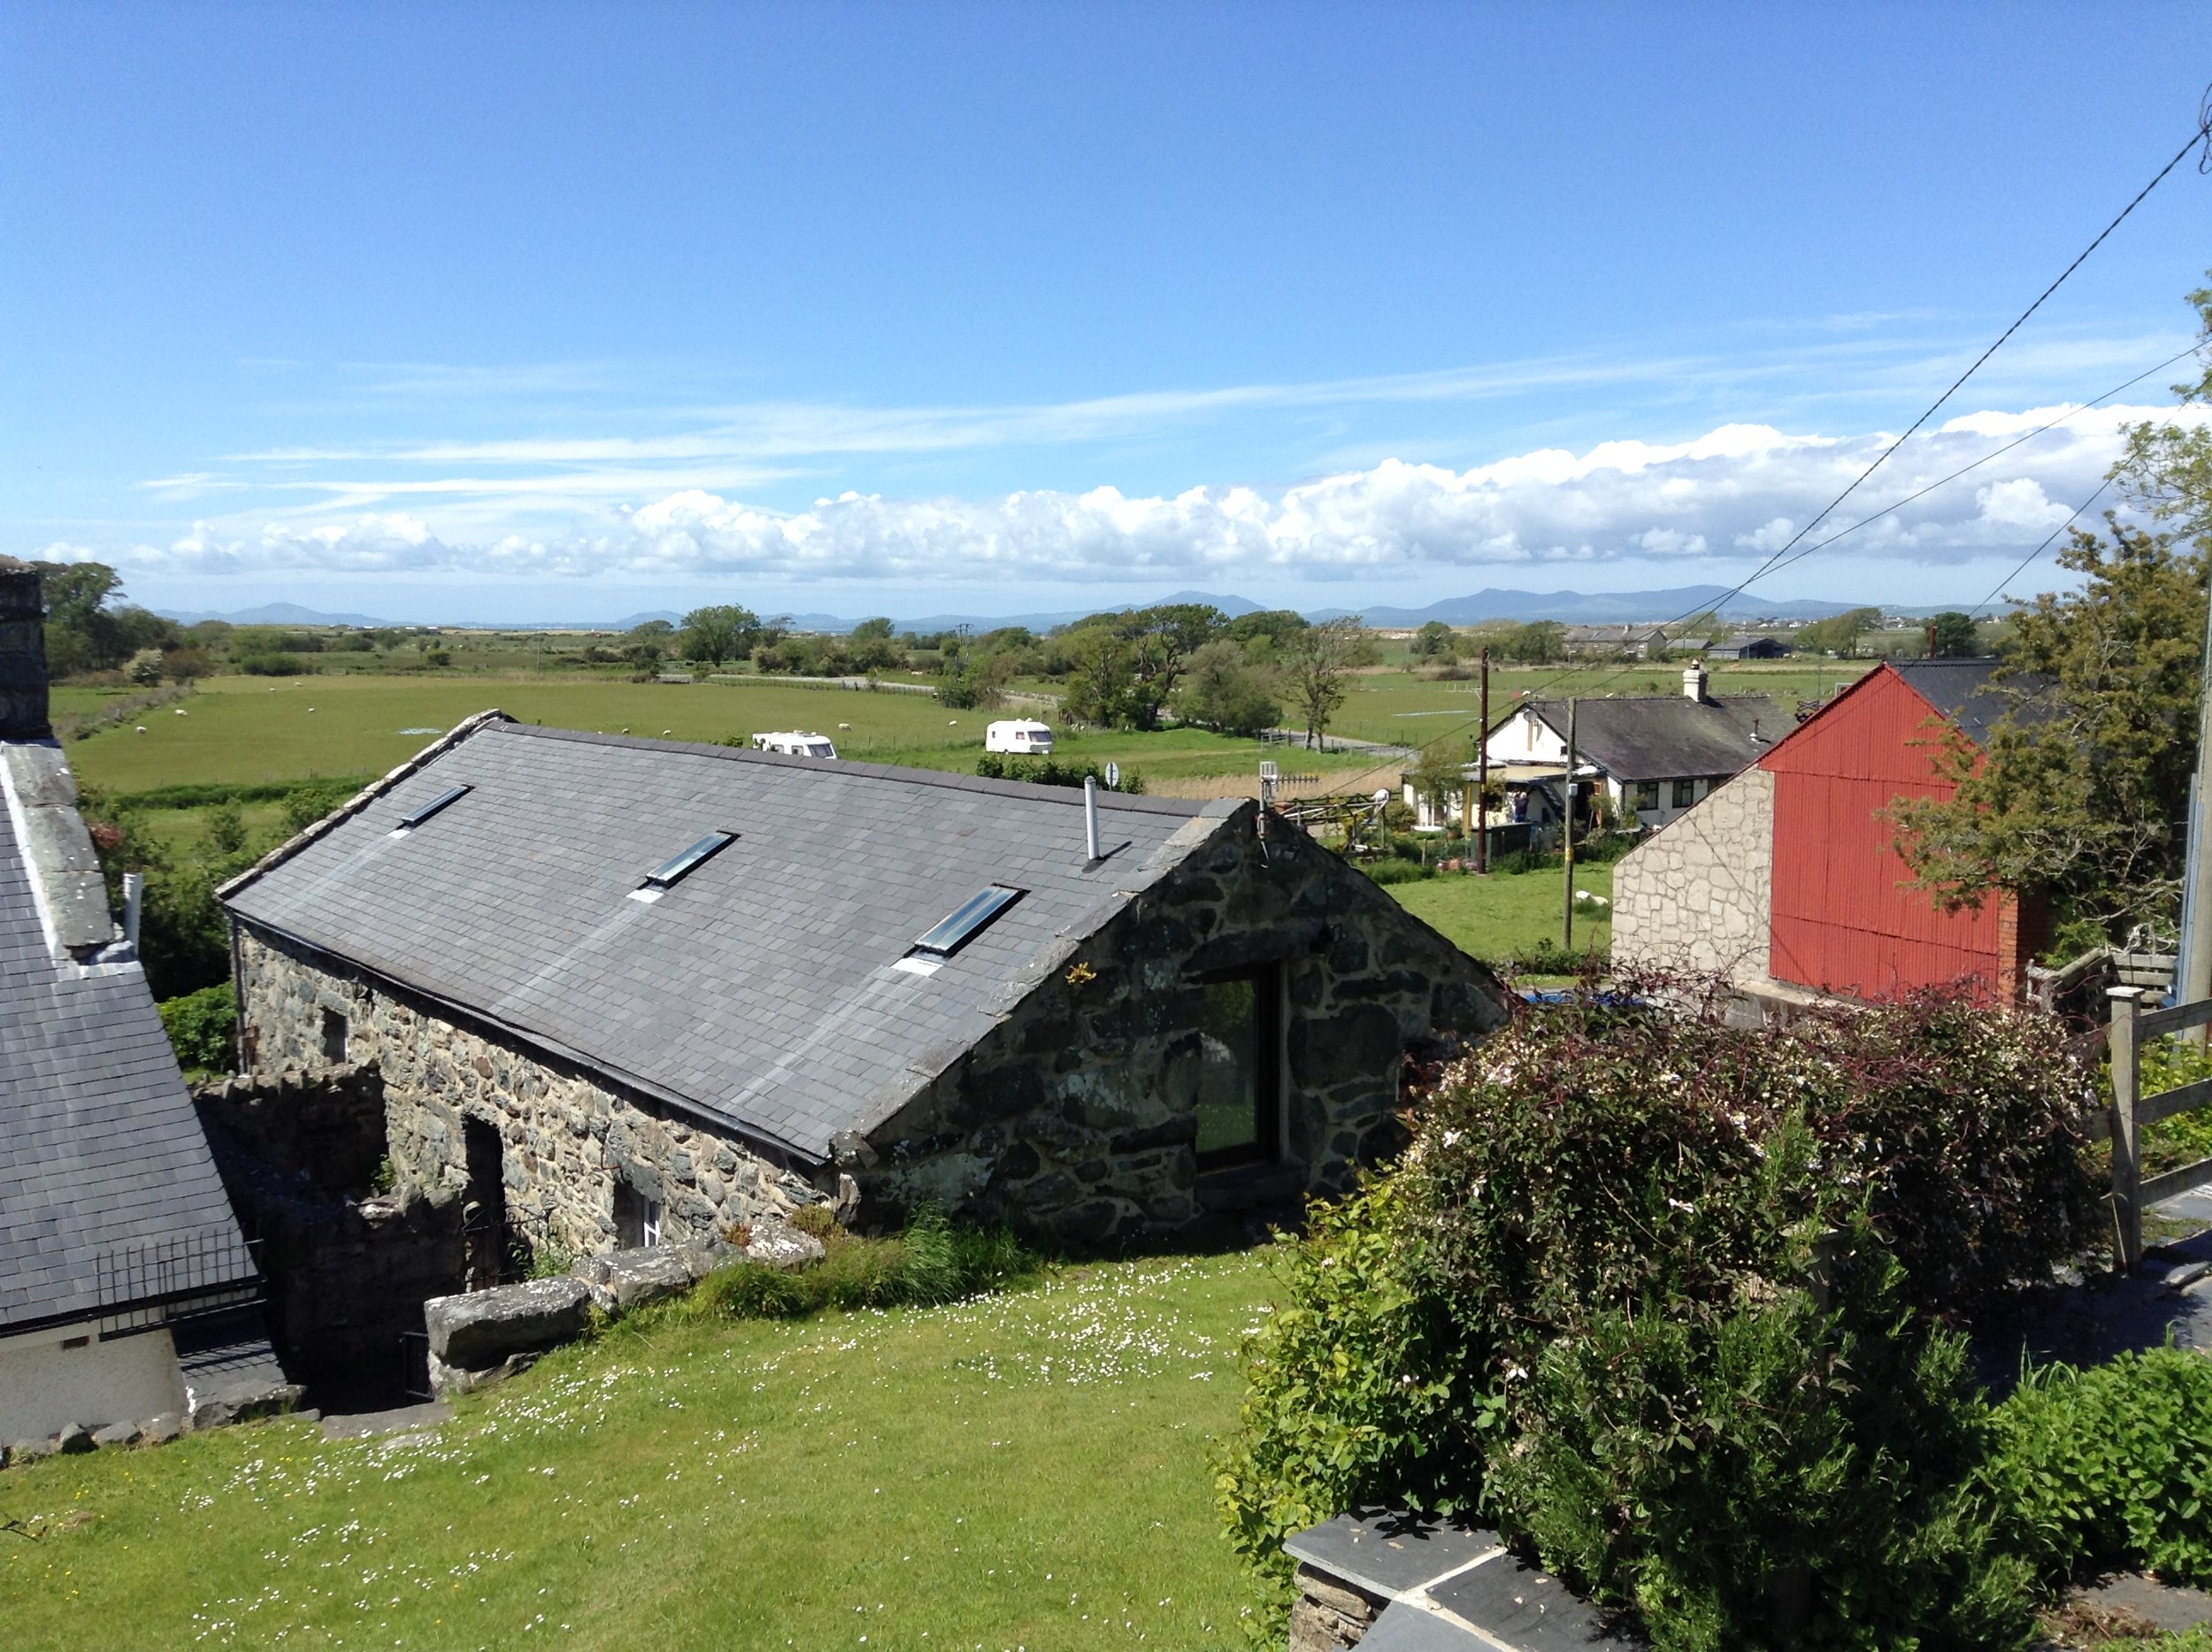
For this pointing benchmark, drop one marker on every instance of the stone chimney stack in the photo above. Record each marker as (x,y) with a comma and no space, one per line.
(22,654)
(1694,681)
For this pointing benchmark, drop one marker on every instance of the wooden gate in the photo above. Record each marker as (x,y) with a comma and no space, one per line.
(2132,1192)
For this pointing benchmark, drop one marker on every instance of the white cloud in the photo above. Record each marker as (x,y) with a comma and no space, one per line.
(1736,488)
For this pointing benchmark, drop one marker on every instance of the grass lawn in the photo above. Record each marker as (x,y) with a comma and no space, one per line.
(1021,1470)
(250,728)
(1496,916)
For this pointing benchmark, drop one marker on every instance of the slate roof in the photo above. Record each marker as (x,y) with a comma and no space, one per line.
(1660,737)
(762,989)
(1963,691)
(100,1153)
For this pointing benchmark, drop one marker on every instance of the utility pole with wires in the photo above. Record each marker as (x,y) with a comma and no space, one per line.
(2193,972)
(1478,817)
(1567,838)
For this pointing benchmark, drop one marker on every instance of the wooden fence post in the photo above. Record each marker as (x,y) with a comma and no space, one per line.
(2127,1164)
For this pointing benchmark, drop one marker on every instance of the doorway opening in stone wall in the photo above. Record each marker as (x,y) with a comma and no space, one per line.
(637,1220)
(484,1216)
(1240,1073)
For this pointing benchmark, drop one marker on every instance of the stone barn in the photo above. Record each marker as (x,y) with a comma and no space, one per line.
(627,991)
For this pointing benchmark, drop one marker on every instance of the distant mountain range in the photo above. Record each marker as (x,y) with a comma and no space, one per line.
(1570,607)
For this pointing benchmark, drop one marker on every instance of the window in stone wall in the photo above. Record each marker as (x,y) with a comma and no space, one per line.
(637,1220)
(335,1036)
(1239,1081)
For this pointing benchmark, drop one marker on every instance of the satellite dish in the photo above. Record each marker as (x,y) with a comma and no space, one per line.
(1113,775)
(1382,797)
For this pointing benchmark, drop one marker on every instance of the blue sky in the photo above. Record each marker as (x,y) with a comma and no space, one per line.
(543,312)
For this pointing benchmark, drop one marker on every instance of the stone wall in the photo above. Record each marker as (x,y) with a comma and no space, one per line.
(1075,1117)
(327,1124)
(567,1137)
(1699,895)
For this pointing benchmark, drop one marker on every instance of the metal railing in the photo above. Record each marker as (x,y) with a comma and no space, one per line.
(165,1281)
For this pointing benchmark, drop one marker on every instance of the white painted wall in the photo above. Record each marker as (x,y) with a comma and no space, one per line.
(45,1385)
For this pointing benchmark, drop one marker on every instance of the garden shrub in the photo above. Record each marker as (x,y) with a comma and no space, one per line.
(1393,870)
(200,1026)
(935,1260)
(2109,1468)
(1671,1297)
(274,665)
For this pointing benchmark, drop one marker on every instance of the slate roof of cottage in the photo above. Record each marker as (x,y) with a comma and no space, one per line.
(1965,692)
(762,989)
(1659,737)
(101,1152)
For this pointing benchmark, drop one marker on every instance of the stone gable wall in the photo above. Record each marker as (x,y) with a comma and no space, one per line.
(1075,1117)
(567,1137)
(1700,895)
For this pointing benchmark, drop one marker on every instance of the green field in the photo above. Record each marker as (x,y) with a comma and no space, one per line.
(1496,916)
(1027,1470)
(250,728)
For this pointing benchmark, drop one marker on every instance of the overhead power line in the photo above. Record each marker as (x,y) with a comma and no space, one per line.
(2201,136)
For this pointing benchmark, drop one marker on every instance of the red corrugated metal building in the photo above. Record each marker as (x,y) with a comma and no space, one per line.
(1845,918)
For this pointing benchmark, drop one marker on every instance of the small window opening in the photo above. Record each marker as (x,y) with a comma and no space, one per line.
(964,926)
(1239,1073)
(336,1036)
(670,873)
(76,1342)
(445,799)
(637,1219)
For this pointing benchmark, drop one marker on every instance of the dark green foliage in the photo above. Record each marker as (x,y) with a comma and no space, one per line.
(184,936)
(1394,870)
(1052,772)
(307,804)
(201,1026)
(203,796)
(1952,636)
(1766,1473)
(2109,1468)
(1355,1390)
(935,1260)
(1671,1297)
(274,665)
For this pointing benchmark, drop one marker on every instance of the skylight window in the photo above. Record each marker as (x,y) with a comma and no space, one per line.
(670,873)
(443,799)
(967,923)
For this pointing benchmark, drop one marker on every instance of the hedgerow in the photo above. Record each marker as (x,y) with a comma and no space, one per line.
(1674,1303)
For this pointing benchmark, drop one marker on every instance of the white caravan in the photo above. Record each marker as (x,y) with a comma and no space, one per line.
(796,745)
(1016,735)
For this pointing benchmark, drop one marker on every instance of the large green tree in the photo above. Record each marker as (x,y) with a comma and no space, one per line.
(724,632)
(1223,688)
(1318,666)
(1126,665)
(1840,633)
(1952,636)
(2084,781)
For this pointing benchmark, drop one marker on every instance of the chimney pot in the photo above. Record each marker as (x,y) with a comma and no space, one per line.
(23,713)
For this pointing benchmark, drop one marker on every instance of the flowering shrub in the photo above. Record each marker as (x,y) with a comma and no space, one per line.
(1667,1299)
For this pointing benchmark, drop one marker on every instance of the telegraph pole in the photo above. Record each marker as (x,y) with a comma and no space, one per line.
(1567,840)
(1479,815)
(2193,979)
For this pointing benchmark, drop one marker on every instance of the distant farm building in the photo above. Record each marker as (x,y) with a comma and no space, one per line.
(1787,878)
(1616,642)
(1748,647)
